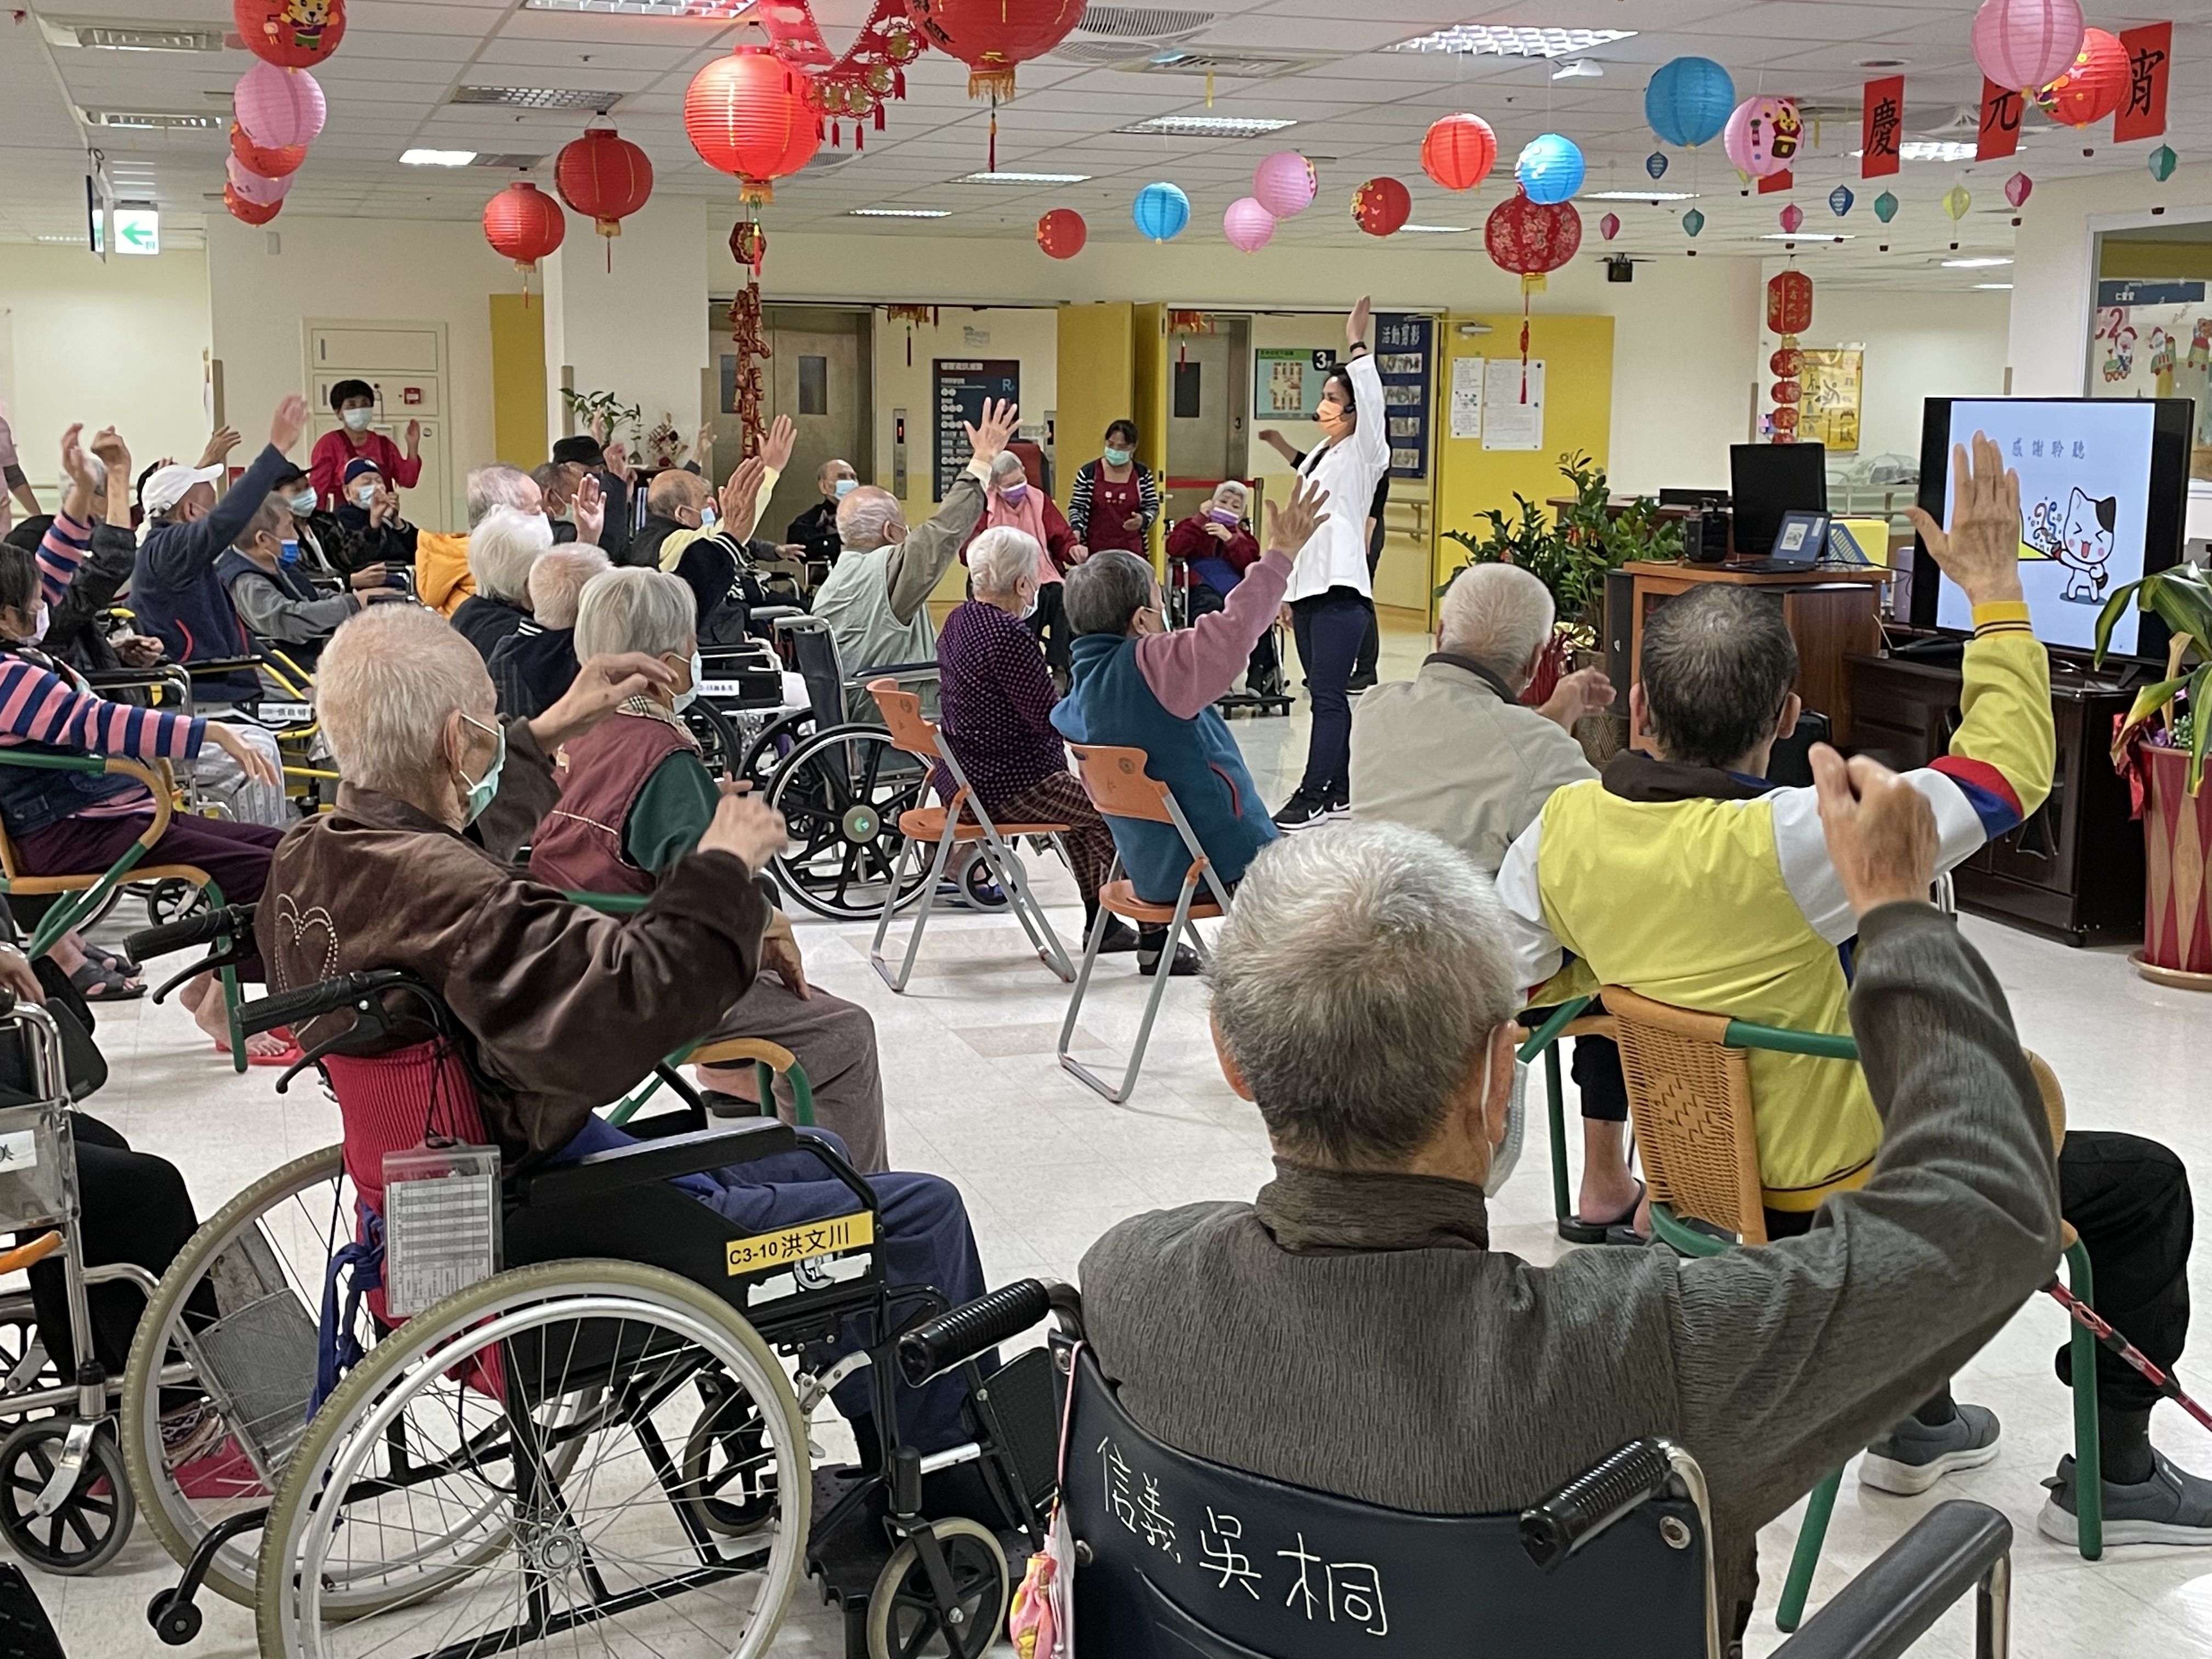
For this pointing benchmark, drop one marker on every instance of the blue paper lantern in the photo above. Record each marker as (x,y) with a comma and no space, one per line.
(1655,164)
(1840,200)
(1162,210)
(1693,221)
(1550,169)
(1689,100)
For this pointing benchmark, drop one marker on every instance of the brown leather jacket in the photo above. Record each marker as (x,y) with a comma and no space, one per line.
(568,1008)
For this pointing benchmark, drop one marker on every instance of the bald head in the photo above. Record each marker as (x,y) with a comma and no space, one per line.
(869,518)
(675,494)
(830,474)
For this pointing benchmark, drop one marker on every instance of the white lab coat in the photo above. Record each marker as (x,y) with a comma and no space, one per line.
(1335,554)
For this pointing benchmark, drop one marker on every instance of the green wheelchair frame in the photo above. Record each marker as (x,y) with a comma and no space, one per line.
(1671,1229)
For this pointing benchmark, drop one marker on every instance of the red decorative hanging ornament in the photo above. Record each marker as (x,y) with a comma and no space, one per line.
(1791,217)
(1062,233)
(1381,206)
(1788,314)
(2093,87)
(913,317)
(751,342)
(290,34)
(269,161)
(993,37)
(749,115)
(1609,225)
(749,244)
(1458,151)
(605,178)
(524,224)
(1788,362)
(1531,238)
(252,213)
(1789,303)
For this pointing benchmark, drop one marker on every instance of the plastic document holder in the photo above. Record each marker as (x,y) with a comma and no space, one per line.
(441,1223)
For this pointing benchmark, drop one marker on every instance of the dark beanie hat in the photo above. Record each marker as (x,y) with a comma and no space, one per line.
(583,449)
(359,464)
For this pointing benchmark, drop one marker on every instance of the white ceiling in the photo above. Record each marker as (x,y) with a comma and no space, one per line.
(1362,108)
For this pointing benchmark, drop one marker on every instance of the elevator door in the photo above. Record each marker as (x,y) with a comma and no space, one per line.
(1198,412)
(817,374)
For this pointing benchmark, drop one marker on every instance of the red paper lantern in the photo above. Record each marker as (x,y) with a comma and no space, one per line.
(1529,238)
(1458,151)
(2093,87)
(1789,303)
(523,223)
(604,177)
(1381,206)
(747,114)
(1789,362)
(1061,233)
(1785,391)
(993,36)
(269,161)
(1785,419)
(290,34)
(253,213)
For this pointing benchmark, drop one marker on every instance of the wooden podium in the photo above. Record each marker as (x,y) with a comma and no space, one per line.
(1831,613)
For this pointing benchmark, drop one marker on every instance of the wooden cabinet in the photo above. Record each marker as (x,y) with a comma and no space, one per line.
(2075,869)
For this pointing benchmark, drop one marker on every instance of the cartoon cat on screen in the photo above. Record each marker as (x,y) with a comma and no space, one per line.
(2082,540)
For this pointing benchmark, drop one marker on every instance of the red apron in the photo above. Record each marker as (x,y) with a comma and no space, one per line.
(1111,504)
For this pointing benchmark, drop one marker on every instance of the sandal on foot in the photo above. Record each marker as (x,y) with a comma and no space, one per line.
(287,1055)
(95,984)
(1621,1229)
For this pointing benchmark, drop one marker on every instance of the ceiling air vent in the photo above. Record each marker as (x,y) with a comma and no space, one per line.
(151,120)
(1141,22)
(1250,65)
(537,98)
(107,34)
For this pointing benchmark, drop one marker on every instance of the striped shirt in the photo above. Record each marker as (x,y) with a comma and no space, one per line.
(42,701)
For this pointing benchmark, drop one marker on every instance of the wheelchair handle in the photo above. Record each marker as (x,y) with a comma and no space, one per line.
(192,932)
(313,1001)
(938,1345)
(1624,1479)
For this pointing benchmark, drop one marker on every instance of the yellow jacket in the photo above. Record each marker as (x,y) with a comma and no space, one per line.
(442,571)
(1696,888)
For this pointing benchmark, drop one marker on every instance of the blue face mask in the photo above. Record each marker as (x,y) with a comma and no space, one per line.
(302,503)
(288,553)
(1117,456)
(481,791)
(846,487)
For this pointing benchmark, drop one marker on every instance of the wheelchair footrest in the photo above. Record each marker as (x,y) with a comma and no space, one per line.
(847,1561)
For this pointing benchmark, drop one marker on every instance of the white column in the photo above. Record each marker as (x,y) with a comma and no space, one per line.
(638,329)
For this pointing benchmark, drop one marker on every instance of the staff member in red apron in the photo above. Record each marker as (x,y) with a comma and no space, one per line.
(1117,499)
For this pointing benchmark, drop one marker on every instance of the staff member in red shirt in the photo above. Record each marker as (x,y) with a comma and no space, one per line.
(1115,500)
(355,401)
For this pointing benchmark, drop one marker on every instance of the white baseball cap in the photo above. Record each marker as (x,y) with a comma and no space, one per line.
(167,486)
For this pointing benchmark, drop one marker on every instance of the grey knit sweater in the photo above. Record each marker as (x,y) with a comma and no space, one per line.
(1355,1332)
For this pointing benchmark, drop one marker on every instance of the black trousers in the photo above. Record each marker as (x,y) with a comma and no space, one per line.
(1049,624)
(1329,627)
(1596,1068)
(1204,601)
(1370,647)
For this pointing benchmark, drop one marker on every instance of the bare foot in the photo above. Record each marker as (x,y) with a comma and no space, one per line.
(203,997)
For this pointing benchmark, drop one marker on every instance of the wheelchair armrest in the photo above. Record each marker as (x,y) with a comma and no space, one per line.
(958,1334)
(600,1173)
(216,666)
(313,1001)
(128,678)
(192,931)
(1886,1609)
(891,671)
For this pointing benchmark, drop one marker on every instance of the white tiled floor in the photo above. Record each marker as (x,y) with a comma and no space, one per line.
(974,1094)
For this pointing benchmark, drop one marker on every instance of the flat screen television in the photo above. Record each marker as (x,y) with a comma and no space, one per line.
(2104,483)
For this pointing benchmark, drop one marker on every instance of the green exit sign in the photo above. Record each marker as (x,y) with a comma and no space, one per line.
(137,230)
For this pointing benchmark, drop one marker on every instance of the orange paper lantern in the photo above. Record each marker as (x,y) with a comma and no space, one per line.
(747,114)
(523,223)
(605,177)
(269,161)
(2092,86)
(1458,151)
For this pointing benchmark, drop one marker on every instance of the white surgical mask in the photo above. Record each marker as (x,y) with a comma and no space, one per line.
(690,694)
(1029,609)
(303,501)
(357,420)
(481,791)
(40,632)
(1503,1158)
(364,494)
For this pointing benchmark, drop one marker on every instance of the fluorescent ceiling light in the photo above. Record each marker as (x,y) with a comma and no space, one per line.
(1806,236)
(1505,42)
(1929,149)
(899,213)
(436,158)
(1207,126)
(1581,68)
(1003,178)
(719,8)
(538,97)
(1978,262)
(79,241)
(1435,230)
(1639,196)
(1986,285)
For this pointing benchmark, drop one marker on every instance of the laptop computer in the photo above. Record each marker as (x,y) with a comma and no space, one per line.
(1800,542)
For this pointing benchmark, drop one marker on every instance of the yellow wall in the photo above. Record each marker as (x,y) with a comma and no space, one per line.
(1097,383)
(518,381)
(1148,402)
(1577,356)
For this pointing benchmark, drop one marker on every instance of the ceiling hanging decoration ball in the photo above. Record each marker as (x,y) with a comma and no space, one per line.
(1550,169)
(747,114)
(249,187)
(1693,221)
(1788,304)
(524,224)
(290,34)
(1247,225)
(1791,217)
(2093,85)
(605,177)
(1381,206)
(1062,233)
(252,213)
(279,106)
(1609,225)
(1458,151)
(1285,184)
(2018,188)
(1885,206)
(2161,163)
(1530,238)
(1763,136)
(1788,362)
(1956,201)
(991,37)
(1785,391)
(2023,43)
(1840,200)
(269,161)
(1161,211)
(1655,164)
(1688,100)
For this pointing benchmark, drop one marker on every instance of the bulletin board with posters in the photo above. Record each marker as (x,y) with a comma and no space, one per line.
(1286,382)
(1833,379)
(1404,358)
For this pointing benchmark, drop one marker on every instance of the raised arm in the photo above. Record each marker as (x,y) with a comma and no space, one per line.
(917,562)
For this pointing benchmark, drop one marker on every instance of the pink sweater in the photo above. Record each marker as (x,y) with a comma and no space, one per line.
(1190,667)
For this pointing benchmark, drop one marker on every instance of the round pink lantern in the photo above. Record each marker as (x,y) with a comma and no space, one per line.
(1247,225)
(1285,184)
(2018,188)
(279,106)
(2022,45)
(1791,217)
(1763,136)
(1609,225)
(249,187)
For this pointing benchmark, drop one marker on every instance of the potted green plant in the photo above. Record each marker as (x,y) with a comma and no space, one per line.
(2159,747)
(1569,552)
(601,413)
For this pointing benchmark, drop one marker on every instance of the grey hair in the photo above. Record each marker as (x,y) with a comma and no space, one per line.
(1005,463)
(999,557)
(1231,487)
(502,547)
(1106,590)
(1717,665)
(866,516)
(556,583)
(266,517)
(1356,982)
(497,485)
(384,686)
(1499,615)
(633,610)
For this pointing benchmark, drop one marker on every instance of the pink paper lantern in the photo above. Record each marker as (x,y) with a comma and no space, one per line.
(1791,217)
(2022,45)
(249,187)
(279,106)
(1763,136)
(1285,184)
(1609,225)
(1247,225)
(2018,188)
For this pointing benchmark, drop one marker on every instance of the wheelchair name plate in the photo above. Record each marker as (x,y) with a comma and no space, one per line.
(441,1223)
(285,714)
(810,1256)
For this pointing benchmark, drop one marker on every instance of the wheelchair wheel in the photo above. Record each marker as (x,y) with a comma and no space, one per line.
(842,792)
(173,900)
(719,745)
(773,746)
(904,1618)
(980,885)
(92,1522)
(360,1558)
